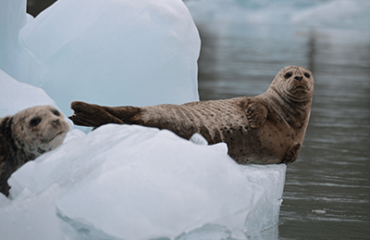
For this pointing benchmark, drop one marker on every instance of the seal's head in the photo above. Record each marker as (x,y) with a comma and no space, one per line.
(38,129)
(294,83)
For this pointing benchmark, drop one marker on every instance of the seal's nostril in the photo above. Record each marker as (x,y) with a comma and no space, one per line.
(298,78)
(57,122)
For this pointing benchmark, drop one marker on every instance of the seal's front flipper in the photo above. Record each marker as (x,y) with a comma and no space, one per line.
(91,115)
(292,153)
(256,113)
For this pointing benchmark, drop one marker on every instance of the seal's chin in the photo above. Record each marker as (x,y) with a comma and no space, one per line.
(57,137)
(300,89)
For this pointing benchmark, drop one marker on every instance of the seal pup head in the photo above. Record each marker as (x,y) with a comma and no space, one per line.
(38,129)
(294,83)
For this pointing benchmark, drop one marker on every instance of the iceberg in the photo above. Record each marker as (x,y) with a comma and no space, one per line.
(15,60)
(107,52)
(16,96)
(30,217)
(134,182)
(269,177)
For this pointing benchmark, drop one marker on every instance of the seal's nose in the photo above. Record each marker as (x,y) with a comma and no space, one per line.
(56,122)
(298,78)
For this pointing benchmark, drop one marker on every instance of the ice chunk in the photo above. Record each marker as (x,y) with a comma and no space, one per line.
(4,201)
(209,231)
(14,59)
(106,52)
(198,139)
(30,216)
(133,182)
(115,52)
(219,232)
(272,179)
(16,96)
(12,19)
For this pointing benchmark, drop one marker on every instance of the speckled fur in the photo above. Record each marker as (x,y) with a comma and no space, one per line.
(20,141)
(268,128)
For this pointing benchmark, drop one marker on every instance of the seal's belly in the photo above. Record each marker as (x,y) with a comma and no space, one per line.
(266,144)
(269,143)
(228,123)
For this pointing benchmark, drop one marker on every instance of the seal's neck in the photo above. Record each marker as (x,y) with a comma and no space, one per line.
(300,103)
(291,110)
(22,155)
(19,155)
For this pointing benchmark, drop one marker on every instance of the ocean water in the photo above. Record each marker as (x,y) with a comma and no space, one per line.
(244,45)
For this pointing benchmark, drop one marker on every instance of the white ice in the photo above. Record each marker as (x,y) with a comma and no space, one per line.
(115,52)
(106,52)
(121,182)
(133,182)
(16,96)
(141,183)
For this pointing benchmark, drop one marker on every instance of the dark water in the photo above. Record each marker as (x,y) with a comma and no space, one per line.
(327,190)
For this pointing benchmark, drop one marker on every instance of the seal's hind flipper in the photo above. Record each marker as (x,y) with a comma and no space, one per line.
(91,115)
(125,114)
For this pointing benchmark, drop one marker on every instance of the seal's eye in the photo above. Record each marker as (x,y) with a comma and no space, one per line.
(35,121)
(287,75)
(55,112)
(307,75)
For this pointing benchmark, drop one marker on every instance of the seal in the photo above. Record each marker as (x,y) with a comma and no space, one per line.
(27,135)
(264,129)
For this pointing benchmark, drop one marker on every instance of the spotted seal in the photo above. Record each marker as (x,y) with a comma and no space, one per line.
(265,129)
(27,135)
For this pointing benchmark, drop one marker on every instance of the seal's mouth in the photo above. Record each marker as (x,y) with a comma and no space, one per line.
(300,88)
(59,134)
